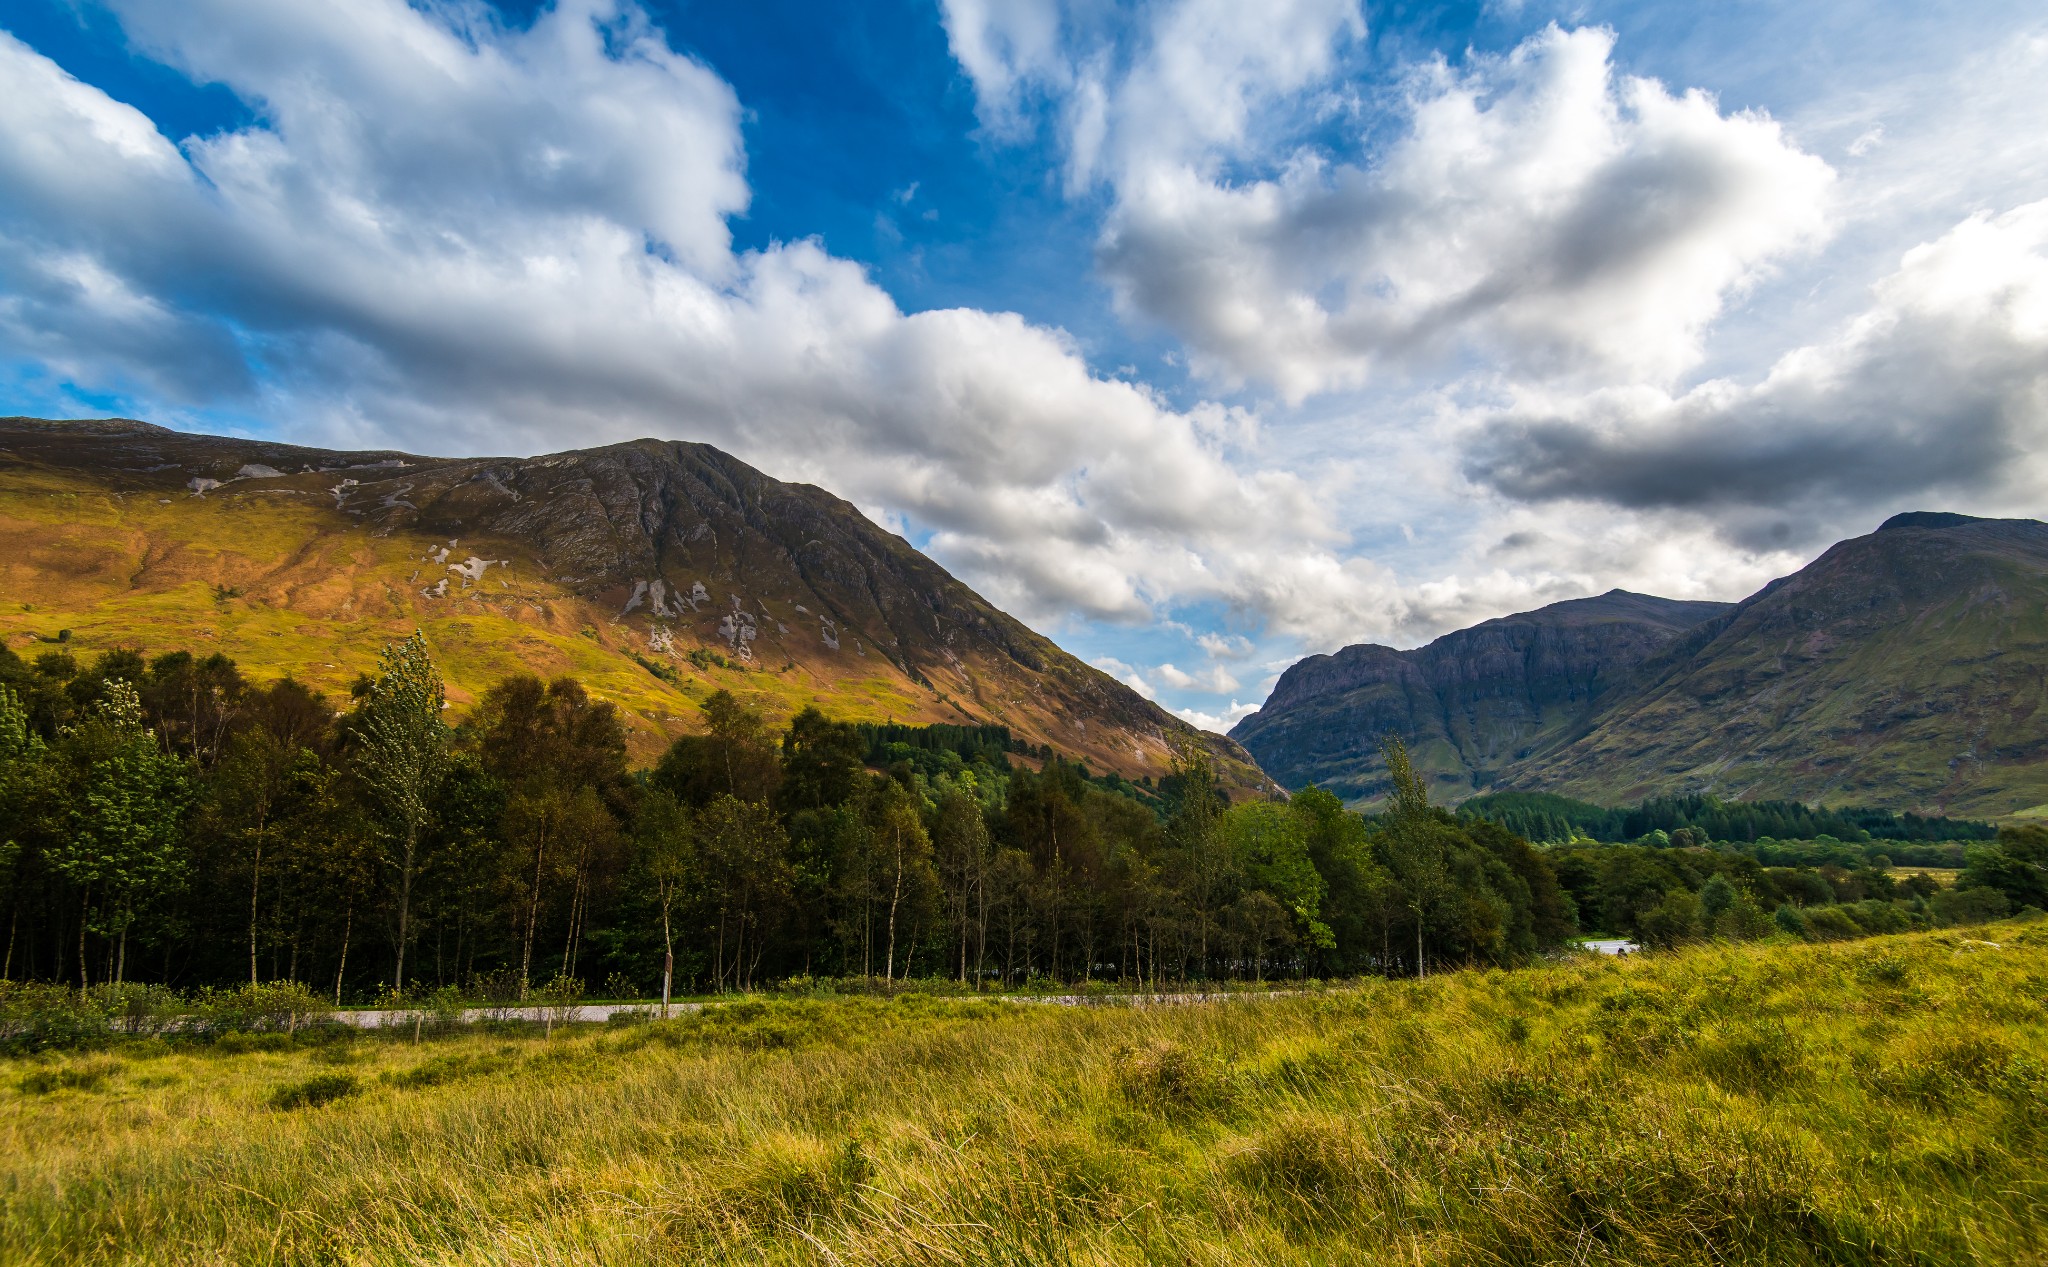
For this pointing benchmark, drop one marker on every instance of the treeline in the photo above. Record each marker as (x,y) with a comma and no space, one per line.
(167,820)
(1551,819)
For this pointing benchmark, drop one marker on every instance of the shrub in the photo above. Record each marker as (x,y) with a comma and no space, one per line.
(141,1010)
(1789,920)
(323,1088)
(1831,923)
(1953,907)
(276,1007)
(40,1016)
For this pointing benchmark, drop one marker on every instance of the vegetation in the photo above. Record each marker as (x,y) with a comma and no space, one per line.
(1547,817)
(1874,1102)
(228,831)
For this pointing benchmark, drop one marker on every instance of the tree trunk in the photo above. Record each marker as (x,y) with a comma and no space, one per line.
(255,882)
(412,839)
(895,897)
(532,916)
(348,924)
(84,909)
(668,962)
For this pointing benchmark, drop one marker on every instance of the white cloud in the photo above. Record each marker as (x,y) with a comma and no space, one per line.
(1217,722)
(455,237)
(1214,680)
(1225,646)
(1540,210)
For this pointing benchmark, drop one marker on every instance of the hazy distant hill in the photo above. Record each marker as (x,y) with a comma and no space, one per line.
(656,571)
(1468,704)
(1905,668)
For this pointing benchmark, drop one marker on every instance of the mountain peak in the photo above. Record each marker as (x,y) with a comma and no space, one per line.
(653,570)
(1929,519)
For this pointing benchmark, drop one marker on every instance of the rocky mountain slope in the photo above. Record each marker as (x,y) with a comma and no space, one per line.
(1907,668)
(1469,704)
(657,571)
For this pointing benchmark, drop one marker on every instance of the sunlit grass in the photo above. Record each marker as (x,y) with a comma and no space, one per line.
(1877,1101)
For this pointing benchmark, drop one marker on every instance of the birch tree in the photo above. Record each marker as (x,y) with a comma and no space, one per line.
(403,753)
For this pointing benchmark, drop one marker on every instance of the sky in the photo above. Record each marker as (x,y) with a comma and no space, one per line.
(1201,335)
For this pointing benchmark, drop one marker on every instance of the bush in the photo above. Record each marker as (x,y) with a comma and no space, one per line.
(1831,923)
(324,1088)
(143,1011)
(40,1016)
(1789,920)
(279,1007)
(1953,907)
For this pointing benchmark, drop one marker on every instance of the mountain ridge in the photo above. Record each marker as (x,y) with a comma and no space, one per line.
(1902,668)
(1467,703)
(657,569)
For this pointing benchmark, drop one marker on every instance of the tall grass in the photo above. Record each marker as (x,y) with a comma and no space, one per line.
(1883,1101)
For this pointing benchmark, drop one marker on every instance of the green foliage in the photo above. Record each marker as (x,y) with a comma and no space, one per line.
(1544,816)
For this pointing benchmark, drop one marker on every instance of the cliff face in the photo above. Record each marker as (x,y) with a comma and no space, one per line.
(1468,704)
(1907,668)
(656,570)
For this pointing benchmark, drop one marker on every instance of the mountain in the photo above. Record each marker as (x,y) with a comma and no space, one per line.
(1468,704)
(656,571)
(1907,668)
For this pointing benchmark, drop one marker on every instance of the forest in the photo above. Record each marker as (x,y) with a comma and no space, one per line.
(166,820)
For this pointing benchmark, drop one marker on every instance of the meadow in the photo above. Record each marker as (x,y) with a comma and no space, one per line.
(1877,1101)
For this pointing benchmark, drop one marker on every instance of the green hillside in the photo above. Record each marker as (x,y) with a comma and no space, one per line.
(1905,668)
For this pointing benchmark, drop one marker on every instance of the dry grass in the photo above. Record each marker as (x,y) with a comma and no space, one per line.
(1872,1102)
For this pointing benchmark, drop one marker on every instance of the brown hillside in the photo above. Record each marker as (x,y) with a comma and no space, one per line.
(657,571)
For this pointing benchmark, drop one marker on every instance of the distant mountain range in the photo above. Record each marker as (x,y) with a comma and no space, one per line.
(656,571)
(1905,669)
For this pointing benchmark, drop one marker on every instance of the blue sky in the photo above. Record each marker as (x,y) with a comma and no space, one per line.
(1199,334)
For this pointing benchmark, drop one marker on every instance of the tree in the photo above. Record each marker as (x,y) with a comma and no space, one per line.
(906,853)
(125,826)
(1717,896)
(1413,837)
(736,757)
(2016,865)
(402,753)
(960,842)
(821,762)
(1192,833)
(253,777)
(745,874)
(21,766)
(667,848)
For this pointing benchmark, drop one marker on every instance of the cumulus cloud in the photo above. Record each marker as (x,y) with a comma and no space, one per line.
(451,235)
(1219,722)
(1538,208)
(1215,680)
(1940,388)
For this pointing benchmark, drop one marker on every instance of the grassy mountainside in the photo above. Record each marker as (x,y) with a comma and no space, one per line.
(1872,1102)
(1907,668)
(1467,705)
(655,571)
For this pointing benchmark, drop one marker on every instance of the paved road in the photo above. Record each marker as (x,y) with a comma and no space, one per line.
(600,1012)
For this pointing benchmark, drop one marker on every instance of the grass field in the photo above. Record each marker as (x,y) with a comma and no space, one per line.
(1881,1101)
